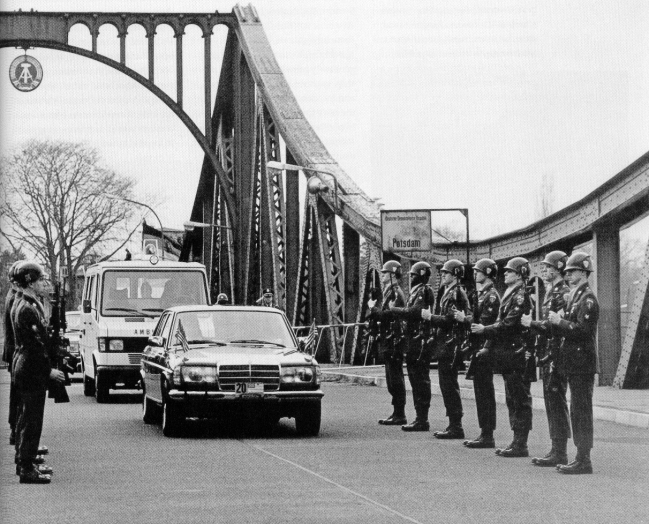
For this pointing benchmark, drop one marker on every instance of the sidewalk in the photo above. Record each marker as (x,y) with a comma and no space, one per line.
(621,406)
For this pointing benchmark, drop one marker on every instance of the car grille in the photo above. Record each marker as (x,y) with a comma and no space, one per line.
(267,375)
(134,358)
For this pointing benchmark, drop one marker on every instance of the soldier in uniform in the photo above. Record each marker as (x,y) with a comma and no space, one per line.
(578,357)
(450,337)
(509,346)
(485,312)
(391,345)
(418,351)
(9,345)
(32,371)
(555,383)
(267,299)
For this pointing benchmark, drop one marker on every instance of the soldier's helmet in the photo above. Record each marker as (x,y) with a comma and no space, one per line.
(520,266)
(29,272)
(222,298)
(556,259)
(580,260)
(13,269)
(392,266)
(422,270)
(454,267)
(486,266)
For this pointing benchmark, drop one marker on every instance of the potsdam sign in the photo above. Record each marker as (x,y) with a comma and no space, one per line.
(406,231)
(25,73)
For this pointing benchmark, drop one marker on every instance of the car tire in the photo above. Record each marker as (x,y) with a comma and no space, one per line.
(88,382)
(172,419)
(150,410)
(307,421)
(101,387)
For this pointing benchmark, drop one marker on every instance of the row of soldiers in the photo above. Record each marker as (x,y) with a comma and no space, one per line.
(498,335)
(27,352)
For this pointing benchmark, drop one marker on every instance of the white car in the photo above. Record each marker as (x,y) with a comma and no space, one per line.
(73,334)
(220,361)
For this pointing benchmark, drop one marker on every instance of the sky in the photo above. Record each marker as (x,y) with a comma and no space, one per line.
(425,104)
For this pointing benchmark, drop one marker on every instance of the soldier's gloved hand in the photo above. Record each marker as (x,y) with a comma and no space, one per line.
(459,315)
(57,375)
(527,355)
(371,303)
(426,314)
(482,353)
(392,303)
(554,317)
(526,320)
(478,329)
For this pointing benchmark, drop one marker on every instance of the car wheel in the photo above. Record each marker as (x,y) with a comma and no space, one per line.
(150,410)
(172,419)
(307,421)
(101,387)
(88,382)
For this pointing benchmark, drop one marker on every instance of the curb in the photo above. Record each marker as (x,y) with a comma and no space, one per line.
(617,416)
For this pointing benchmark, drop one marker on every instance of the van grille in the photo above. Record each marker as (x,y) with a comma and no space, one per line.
(267,375)
(134,358)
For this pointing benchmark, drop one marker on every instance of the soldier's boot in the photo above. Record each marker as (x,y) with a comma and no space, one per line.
(557,455)
(420,424)
(580,466)
(453,431)
(40,459)
(519,447)
(30,475)
(42,450)
(485,440)
(398,417)
(44,469)
(509,446)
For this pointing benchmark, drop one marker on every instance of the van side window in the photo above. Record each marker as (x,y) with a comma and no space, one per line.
(93,294)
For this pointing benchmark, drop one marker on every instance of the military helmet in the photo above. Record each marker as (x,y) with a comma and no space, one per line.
(486,266)
(556,259)
(421,269)
(454,267)
(581,261)
(29,272)
(13,270)
(222,298)
(392,266)
(520,266)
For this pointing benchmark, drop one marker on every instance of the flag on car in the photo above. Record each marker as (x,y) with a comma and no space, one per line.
(181,336)
(309,341)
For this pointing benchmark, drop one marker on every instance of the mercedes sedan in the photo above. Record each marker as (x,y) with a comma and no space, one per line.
(225,361)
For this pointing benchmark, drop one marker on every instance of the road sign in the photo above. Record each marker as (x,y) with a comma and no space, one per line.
(406,231)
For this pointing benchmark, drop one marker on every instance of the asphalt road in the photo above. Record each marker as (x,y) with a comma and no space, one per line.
(110,467)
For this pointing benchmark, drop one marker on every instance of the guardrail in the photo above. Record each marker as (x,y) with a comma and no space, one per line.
(322,328)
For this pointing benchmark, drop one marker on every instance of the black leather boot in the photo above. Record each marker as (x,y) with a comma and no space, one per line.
(398,418)
(417,425)
(519,447)
(580,466)
(485,440)
(556,456)
(30,475)
(509,446)
(453,431)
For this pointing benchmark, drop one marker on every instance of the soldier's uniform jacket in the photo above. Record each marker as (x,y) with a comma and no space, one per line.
(454,297)
(578,355)
(507,333)
(9,344)
(31,364)
(485,312)
(548,343)
(392,330)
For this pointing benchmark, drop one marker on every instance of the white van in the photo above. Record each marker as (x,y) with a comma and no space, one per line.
(122,302)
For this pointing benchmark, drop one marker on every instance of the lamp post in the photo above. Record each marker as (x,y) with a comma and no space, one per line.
(313,187)
(162,238)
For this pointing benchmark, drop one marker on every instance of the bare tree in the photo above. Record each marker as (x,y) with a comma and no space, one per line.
(545,200)
(55,204)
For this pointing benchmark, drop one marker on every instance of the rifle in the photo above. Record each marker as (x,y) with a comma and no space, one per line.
(373,325)
(472,343)
(426,334)
(529,372)
(459,337)
(58,346)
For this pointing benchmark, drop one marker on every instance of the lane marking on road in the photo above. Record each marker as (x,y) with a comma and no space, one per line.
(334,483)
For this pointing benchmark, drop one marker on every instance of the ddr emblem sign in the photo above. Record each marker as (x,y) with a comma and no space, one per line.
(26,73)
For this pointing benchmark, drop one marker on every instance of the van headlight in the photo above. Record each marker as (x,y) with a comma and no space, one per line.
(198,374)
(297,375)
(116,345)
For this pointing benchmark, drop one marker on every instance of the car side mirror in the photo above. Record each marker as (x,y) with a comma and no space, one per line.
(156,342)
(86,306)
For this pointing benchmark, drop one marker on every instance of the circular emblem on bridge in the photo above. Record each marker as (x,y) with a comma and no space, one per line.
(26,73)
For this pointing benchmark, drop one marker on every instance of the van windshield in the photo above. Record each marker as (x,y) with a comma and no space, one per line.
(148,293)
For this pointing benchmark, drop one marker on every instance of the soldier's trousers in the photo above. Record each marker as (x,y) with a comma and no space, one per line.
(450,388)
(396,383)
(419,376)
(485,396)
(13,406)
(519,401)
(556,405)
(30,425)
(581,409)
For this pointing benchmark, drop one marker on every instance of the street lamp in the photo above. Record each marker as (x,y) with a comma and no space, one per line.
(162,237)
(314,185)
(190,226)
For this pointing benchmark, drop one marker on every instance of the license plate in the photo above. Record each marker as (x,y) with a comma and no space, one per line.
(248,387)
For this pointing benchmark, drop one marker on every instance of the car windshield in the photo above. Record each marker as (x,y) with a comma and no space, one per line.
(148,293)
(259,328)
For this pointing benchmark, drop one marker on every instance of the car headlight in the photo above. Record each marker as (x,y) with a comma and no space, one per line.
(198,374)
(297,375)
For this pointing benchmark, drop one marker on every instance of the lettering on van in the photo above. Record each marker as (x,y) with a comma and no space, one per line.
(142,331)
